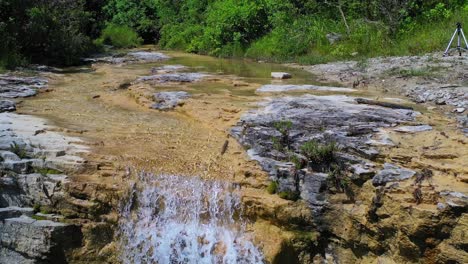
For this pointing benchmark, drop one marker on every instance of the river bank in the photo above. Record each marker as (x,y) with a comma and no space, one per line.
(216,120)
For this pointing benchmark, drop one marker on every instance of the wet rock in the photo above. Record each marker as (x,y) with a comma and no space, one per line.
(169,100)
(148,56)
(38,240)
(271,88)
(391,173)
(167,69)
(7,106)
(173,77)
(14,86)
(281,75)
(413,129)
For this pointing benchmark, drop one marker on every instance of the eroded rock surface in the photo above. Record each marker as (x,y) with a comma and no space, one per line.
(32,158)
(173,78)
(7,106)
(15,86)
(321,118)
(169,100)
(366,211)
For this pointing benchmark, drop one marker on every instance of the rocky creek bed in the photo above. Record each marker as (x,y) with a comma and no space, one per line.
(346,175)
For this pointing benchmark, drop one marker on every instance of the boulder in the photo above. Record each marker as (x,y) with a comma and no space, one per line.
(281,75)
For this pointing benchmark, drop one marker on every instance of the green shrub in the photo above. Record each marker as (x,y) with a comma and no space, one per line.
(119,37)
(321,154)
(289,195)
(272,187)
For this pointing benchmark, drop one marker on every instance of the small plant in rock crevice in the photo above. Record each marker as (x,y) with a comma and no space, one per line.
(283,142)
(272,187)
(19,150)
(338,180)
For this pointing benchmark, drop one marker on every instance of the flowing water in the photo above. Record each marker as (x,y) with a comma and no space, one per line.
(177,219)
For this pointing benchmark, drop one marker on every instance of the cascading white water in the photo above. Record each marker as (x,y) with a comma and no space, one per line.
(174,219)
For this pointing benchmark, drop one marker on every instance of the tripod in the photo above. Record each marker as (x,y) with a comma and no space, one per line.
(459,32)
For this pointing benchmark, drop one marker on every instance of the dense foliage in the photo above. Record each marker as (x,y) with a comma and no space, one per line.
(62,31)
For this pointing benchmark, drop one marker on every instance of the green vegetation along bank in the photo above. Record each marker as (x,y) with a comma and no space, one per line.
(308,31)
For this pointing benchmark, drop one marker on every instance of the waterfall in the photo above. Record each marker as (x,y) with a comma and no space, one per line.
(174,219)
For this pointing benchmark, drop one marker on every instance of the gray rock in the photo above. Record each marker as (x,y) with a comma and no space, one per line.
(281,75)
(30,189)
(21,166)
(42,240)
(8,256)
(14,86)
(7,106)
(271,88)
(14,211)
(173,77)
(148,56)
(312,188)
(315,117)
(334,37)
(169,100)
(322,118)
(391,173)
(9,156)
(413,129)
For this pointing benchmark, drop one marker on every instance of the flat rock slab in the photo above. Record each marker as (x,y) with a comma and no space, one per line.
(316,117)
(169,100)
(281,75)
(7,106)
(273,88)
(173,77)
(391,173)
(15,86)
(148,56)
(413,129)
(62,152)
(132,57)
